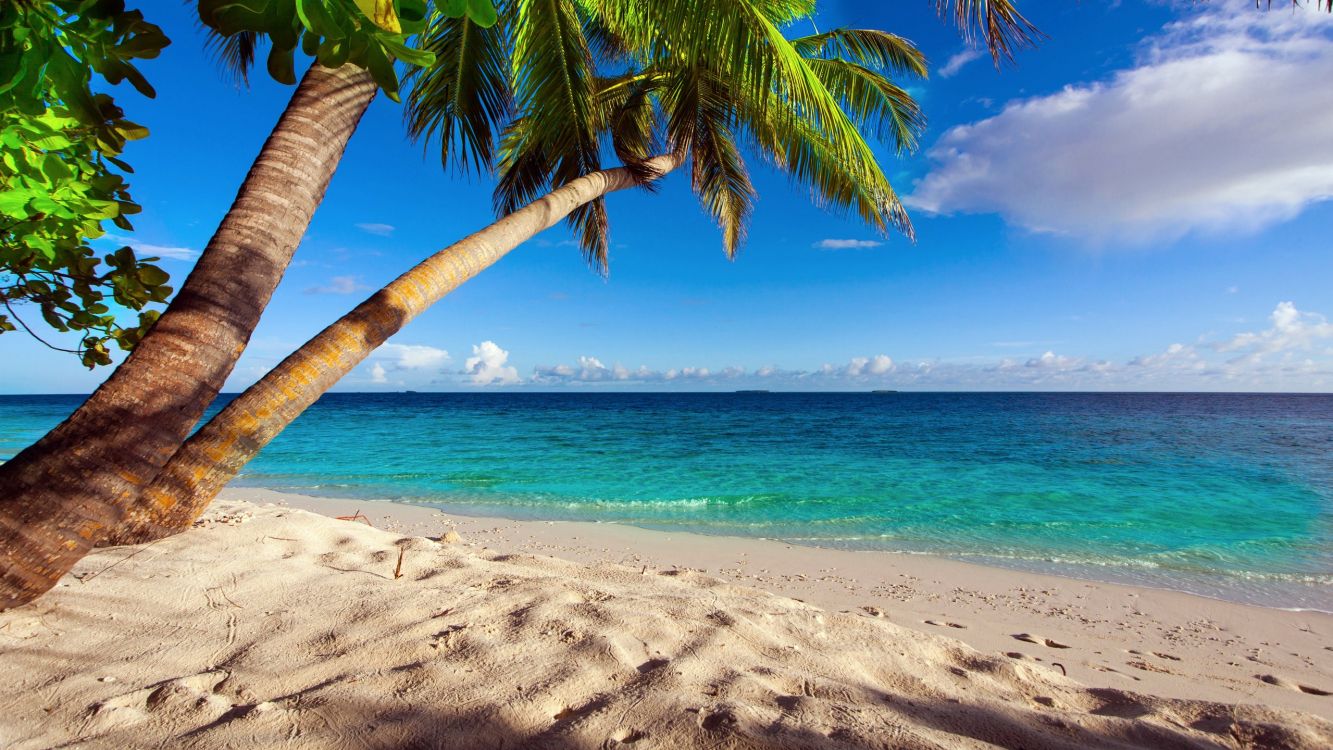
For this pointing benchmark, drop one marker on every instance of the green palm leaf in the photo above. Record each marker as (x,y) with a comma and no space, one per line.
(872,48)
(552,70)
(721,180)
(873,102)
(464,97)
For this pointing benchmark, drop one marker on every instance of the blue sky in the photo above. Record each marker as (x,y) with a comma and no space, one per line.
(1140,204)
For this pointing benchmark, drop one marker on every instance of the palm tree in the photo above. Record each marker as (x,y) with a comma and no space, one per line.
(67,489)
(802,104)
(71,489)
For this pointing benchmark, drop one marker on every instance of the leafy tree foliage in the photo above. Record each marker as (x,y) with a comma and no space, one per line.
(60,177)
(541,96)
(370,34)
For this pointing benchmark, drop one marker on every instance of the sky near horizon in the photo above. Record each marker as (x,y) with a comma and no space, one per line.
(1141,203)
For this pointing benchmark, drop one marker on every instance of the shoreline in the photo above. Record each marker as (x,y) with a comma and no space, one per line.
(1107,635)
(1068,571)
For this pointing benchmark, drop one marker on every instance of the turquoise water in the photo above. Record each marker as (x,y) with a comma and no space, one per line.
(1224,495)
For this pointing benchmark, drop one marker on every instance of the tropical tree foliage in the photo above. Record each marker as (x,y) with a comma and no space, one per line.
(333,32)
(67,490)
(544,107)
(546,93)
(60,175)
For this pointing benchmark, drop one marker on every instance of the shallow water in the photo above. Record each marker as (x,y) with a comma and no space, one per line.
(1220,494)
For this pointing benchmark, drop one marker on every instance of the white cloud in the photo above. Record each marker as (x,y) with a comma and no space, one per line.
(1176,354)
(833,244)
(1221,126)
(593,370)
(149,250)
(1292,331)
(1051,360)
(338,285)
(956,63)
(487,365)
(1294,353)
(413,356)
(378,374)
(880,364)
(688,373)
(383,230)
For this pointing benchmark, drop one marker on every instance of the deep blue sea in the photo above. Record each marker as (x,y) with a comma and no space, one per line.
(1223,495)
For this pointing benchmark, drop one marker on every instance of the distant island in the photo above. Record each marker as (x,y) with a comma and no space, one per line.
(883,391)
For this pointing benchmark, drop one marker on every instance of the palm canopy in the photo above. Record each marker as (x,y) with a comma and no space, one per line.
(540,94)
(544,93)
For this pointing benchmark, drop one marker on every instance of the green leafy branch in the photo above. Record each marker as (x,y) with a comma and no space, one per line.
(60,177)
(371,34)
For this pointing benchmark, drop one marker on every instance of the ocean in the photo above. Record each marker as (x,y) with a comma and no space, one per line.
(1225,495)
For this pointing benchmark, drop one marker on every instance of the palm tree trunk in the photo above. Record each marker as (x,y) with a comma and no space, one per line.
(210,458)
(65,492)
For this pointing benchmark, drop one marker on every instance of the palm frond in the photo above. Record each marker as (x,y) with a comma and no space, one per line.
(878,50)
(523,168)
(796,147)
(464,99)
(627,113)
(552,70)
(235,54)
(874,102)
(720,178)
(997,22)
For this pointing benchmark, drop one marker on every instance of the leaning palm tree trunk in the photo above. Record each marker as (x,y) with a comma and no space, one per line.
(214,455)
(61,495)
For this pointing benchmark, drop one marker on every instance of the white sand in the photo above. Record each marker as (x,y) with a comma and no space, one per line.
(270,626)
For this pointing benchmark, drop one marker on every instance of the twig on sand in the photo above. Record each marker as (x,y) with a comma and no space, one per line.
(91,576)
(398,569)
(357,516)
(1061,666)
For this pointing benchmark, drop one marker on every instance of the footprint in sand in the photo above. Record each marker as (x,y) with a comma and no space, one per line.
(194,693)
(1047,642)
(1273,679)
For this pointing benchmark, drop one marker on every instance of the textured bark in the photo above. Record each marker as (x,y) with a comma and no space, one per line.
(214,454)
(65,492)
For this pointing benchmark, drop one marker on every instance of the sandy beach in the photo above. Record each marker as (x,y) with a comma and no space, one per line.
(273,623)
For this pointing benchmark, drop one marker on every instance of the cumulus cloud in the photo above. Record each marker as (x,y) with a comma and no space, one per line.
(1220,126)
(832,244)
(378,374)
(1176,354)
(414,356)
(338,285)
(1051,360)
(1291,331)
(1294,353)
(588,370)
(383,230)
(957,62)
(488,365)
(879,364)
(593,370)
